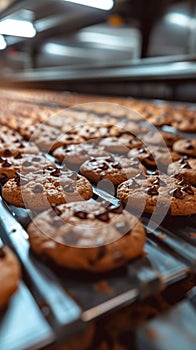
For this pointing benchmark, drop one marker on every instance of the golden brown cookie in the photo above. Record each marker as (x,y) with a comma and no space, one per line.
(184,168)
(23,164)
(163,192)
(9,275)
(113,168)
(87,236)
(186,147)
(120,144)
(40,189)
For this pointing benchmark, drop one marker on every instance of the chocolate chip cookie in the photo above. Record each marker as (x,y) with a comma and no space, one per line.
(163,192)
(88,236)
(78,154)
(160,138)
(113,168)
(42,188)
(121,144)
(9,276)
(184,168)
(186,147)
(23,164)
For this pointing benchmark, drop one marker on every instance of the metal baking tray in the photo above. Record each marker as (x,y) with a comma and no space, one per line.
(69,300)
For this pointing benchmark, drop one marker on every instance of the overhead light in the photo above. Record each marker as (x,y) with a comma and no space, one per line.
(19,28)
(3,43)
(178,19)
(99,4)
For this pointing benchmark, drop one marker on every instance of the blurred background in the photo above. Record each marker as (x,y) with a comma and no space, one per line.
(134,48)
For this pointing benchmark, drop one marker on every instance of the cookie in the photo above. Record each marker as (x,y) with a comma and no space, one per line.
(160,138)
(78,154)
(185,168)
(9,135)
(113,168)
(9,276)
(20,146)
(23,164)
(186,147)
(153,157)
(40,189)
(159,192)
(121,144)
(91,236)
(184,120)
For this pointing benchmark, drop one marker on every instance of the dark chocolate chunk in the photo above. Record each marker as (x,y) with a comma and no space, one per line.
(21,145)
(152,191)
(159,182)
(133,184)
(69,188)
(182,182)
(26,163)
(56,209)
(20,179)
(49,168)
(18,155)
(116,165)
(189,146)
(7,153)
(6,164)
(36,159)
(37,188)
(187,188)
(56,172)
(81,214)
(177,193)
(2,253)
(115,209)
(103,166)
(110,159)
(182,160)
(92,159)
(142,150)
(123,228)
(185,165)
(102,216)
(2,160)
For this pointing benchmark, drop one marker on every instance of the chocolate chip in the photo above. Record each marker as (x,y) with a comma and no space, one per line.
(133,184)
(69,188)
(20,179)
(26,163)
(37,188)
(110,159)
(182,182)
(103,166)
(36,159)
(21,145)
(189,147)
(2,160)
(73,176)
(159,182)
(102,216)
(177,193)
(116,165)
(140,176)
(150,157)
(56,172)
(56,209)
(7,153)
(186,165)
(81,214)
(152,191)
(49,168)
(6,164)
(116,209)
(188,189)
(123,228)
(182,160)
(2,253)
(18,155)
(92,159)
